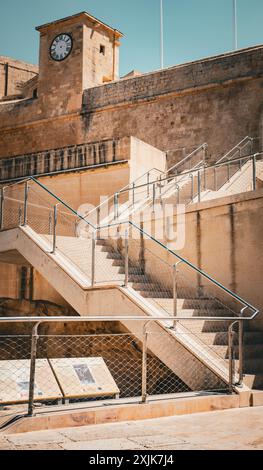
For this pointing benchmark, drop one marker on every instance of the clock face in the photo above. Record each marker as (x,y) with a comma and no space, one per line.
(61,47)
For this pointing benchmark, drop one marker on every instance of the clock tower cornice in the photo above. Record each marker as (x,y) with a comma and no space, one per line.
(83,17)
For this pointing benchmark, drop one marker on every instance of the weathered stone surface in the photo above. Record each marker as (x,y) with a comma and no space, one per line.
(230,429)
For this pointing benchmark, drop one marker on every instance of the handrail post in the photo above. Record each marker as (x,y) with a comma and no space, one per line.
(204,171)
(55,218)
(228,171)
(133,193)
(93,260)
(2,209)
(215,179)
(20,216)
(34,339)
(241,347)
(144,364)
(126,258)
(116,206)
(192,186)
(231,357)
(50,223)
(205,152)
(154,197)
(178,193)
(254,170)
(148,184)
(98,220)
(175,295)
(160,187)
(199,185)
(241,351)
(25,203)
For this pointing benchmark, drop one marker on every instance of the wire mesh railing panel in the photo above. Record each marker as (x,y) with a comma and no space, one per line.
(188,162)
(15,369)
(12,206)
(39,212)
(59,227)
(94,365)
(87,368)
(190,374)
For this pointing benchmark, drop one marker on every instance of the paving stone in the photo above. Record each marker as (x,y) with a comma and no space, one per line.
(117,430)
(40,447)
(36,438)
(230,429)
(5,445)
(158,440)
(105,444)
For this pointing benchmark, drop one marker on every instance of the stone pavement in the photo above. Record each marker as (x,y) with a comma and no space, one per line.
(229,429)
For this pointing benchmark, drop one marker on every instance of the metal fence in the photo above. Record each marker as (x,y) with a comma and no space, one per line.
(201,183)
(127,255)
(54,369)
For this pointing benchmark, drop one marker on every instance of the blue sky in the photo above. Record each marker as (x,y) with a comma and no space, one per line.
(193,28)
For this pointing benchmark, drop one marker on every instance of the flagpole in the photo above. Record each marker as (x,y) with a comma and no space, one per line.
(161,32)
(235,24)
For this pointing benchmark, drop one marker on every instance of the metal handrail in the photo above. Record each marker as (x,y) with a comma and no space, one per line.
(237,147)
(126,187)
(131,186)
(80,319)
(37,321)
(181,258)
(203,146)
(198,270)
(195,170)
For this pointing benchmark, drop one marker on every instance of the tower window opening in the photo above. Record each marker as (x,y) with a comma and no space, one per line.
(102,49)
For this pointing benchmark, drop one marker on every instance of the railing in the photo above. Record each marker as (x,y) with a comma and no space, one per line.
(141,190)
(126,254)
(243,148)
(189,186)
(61,160)
(190,161)
(65,367)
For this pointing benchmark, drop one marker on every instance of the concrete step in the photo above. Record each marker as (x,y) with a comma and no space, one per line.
(133,270)
(195,303)
(150,294)
(190,312)
(147,286)
(137,278)
(102,242)
(118,262)
(254,381)
(221,337)
(251,352)
(257,398)
(203,326)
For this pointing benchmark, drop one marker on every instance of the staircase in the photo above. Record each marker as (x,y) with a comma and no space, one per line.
(201,344)
(211,335)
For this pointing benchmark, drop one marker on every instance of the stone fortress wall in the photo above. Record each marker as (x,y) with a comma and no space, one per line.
(13,76)
(216,100)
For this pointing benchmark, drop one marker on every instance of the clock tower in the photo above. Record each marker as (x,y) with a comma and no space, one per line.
(76,53)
